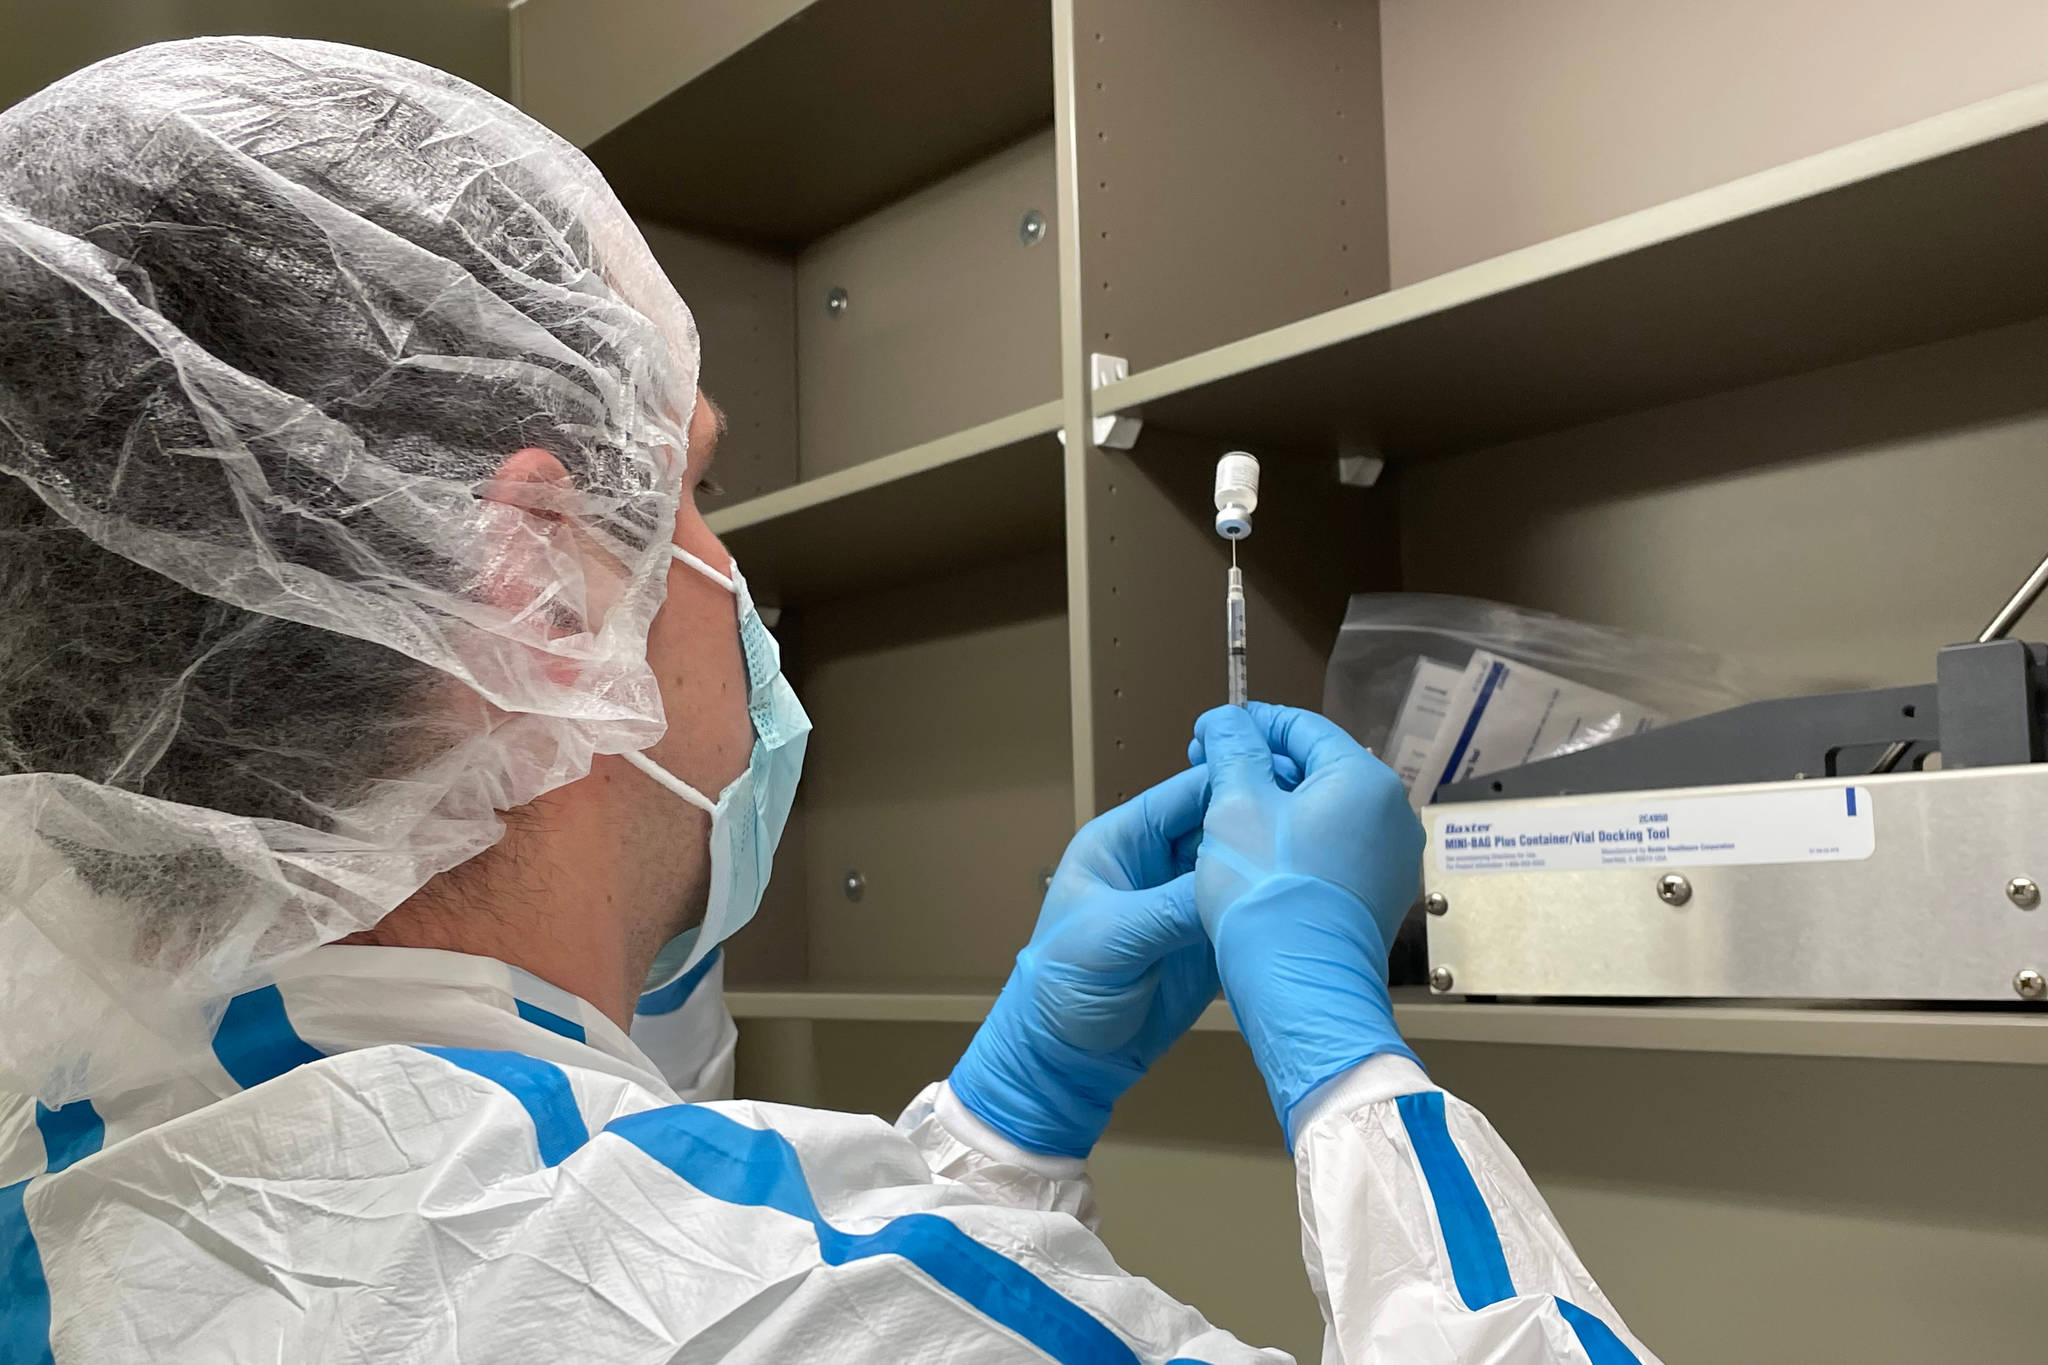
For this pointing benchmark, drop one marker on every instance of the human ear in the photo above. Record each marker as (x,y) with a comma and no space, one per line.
(531,479)
(533,557)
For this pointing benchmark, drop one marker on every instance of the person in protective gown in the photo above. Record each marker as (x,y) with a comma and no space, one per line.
(387,746)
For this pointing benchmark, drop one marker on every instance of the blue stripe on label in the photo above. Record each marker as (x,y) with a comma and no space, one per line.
(70,1134)
(549,1020)
(256,1041)
(1601,1345)
(540,1087)
(670,998)
(1493,677)
(1852,799)
(1478,1264)
(758,1168)
(24,1295)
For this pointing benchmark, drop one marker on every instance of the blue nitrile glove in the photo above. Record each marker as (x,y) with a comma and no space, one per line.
(1116,970)
(1302,891)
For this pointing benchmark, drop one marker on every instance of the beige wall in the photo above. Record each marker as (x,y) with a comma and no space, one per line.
(1229,173)
(1511,122)
(1783,1210)
(952,320)
(586,66)
(1836,528)
(40,42)
(744,303)
(938,768)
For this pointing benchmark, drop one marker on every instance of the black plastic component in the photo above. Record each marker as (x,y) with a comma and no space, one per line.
(1990,703)
(1984,709)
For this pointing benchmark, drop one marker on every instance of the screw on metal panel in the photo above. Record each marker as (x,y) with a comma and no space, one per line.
(1673,889)
(1031,227)
(2030,984)
(1436,903)
(1440,980)
(854,885)
(836,301)
(2024,892)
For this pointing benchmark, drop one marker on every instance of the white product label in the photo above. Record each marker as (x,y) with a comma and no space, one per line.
(1820,824)
(1413,738)
(1502,714)
(1410,759)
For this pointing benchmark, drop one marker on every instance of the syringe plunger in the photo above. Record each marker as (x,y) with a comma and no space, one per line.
(1233,637)
(1237,494)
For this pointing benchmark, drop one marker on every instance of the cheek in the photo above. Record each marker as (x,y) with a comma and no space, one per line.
(694,650)
(715,680)
(694,647)
(700,617)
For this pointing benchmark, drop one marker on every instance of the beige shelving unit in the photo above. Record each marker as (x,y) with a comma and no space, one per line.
(1767,370)
(1721,321)
(1738,1029)
(1905,237)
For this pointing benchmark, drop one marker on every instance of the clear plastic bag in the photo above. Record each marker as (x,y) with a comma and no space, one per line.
(1403,671)
(1401,659)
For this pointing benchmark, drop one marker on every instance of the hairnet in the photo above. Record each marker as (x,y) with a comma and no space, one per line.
(276,641)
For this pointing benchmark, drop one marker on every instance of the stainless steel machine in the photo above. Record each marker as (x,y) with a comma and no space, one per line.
(1888,844)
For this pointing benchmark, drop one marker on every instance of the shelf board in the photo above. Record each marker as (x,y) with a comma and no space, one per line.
(1929,231)
(1900,1035)
(1877,1033)
(845,107)
(990,492)
(584,69)
(896,1007)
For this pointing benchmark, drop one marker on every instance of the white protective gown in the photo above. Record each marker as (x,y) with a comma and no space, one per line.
(403,1155)
(685,1029)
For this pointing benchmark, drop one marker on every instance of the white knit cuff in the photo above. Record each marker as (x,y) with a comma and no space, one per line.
(1384,1077)
(970,1130)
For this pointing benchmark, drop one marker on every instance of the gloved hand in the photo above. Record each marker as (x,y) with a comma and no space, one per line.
(1116,970)
(1302,891)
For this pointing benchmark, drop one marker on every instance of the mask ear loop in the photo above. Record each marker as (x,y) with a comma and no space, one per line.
(672,782)
(642,761)
(722,580)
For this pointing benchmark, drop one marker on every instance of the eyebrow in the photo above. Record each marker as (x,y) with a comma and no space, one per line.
(718,429)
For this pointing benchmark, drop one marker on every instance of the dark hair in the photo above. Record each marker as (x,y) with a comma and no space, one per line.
(116,672)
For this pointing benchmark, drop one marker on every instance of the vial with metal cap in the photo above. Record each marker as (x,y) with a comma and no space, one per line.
(1237,494)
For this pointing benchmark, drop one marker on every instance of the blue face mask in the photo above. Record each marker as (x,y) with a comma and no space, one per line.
(748,817)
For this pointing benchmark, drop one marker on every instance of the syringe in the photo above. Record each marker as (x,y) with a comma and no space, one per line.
(1233,631)
(1237,494)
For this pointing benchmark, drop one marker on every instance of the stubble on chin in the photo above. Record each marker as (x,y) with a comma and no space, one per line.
(672,873)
